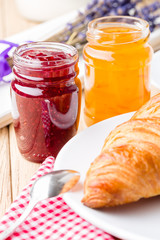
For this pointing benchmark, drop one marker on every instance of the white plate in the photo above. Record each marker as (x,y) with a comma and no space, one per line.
(136,221)
(155,70)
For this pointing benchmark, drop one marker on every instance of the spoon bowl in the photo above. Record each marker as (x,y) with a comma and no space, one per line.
(53,184)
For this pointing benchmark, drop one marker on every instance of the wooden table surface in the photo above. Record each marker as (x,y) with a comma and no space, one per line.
(15,172)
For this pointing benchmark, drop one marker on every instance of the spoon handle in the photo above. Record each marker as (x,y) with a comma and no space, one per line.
(24,215)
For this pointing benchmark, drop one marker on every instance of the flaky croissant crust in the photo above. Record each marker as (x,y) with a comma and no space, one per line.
(128,167)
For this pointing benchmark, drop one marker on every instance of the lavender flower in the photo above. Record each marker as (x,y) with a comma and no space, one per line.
(75,32)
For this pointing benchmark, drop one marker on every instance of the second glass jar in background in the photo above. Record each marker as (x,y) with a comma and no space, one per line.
(117,67)
(46,95)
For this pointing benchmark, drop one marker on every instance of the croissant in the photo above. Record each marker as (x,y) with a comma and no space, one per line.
(128,167)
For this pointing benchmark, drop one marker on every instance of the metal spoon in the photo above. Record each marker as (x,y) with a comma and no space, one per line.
(47,186)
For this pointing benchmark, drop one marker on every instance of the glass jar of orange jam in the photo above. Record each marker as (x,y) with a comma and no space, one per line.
(117,67)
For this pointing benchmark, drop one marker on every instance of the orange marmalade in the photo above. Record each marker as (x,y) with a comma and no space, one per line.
(117,67)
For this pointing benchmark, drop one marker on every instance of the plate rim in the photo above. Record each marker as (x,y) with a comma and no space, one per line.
(152,79)
(110,229)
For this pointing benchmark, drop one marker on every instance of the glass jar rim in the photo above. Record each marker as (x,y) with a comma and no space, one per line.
(19,60)
(139,24)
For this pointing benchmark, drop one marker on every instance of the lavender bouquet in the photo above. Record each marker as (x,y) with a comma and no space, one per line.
(74,33)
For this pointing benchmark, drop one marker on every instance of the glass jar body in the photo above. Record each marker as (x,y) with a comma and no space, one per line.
(117,69)
(45,108)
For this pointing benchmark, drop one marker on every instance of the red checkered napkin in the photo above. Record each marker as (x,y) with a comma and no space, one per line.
(50,219)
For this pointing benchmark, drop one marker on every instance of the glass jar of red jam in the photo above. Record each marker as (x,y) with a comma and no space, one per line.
(46,96)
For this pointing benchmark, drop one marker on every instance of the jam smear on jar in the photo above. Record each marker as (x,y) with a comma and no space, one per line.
(46,94)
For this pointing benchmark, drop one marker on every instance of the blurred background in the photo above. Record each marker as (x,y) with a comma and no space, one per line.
(43,10)
(18,15)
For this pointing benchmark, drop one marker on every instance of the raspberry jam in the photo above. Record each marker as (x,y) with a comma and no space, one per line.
(46,94)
